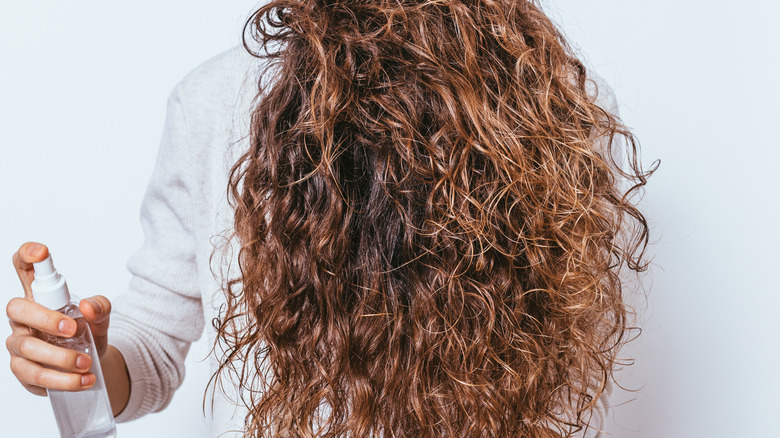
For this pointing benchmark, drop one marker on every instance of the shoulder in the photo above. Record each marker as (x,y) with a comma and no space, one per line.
(225,82)
(214,103)
(210,112)
(227,69)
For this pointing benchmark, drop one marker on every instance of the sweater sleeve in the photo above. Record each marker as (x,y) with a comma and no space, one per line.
(155,321)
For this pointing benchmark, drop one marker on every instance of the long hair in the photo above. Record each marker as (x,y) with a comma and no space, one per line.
(433,222)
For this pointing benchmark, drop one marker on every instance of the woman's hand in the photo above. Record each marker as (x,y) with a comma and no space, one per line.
(37,364)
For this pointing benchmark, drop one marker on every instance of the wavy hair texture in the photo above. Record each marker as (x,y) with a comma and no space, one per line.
(432,224)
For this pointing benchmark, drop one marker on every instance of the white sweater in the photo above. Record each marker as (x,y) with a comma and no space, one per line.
(173,294)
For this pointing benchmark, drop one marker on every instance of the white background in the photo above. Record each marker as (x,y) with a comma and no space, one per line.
(83,86)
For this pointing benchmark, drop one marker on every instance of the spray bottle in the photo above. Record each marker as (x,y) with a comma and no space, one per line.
(80,414)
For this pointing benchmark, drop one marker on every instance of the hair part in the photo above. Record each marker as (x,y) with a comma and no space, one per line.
(432,224)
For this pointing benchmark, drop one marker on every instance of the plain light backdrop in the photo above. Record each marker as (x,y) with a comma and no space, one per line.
(83,86)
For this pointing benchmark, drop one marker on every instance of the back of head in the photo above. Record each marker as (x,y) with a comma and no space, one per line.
(431,224)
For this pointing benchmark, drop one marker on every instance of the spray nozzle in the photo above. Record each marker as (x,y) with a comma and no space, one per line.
(49,288)
(45,273)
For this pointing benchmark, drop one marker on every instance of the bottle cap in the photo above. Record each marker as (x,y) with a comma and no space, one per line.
(49,287)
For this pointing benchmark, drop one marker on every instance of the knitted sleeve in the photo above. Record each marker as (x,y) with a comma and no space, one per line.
(155,321)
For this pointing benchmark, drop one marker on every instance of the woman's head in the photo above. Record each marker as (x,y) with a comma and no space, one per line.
(431,224)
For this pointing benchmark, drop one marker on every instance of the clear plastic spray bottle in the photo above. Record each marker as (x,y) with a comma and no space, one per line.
(80,414)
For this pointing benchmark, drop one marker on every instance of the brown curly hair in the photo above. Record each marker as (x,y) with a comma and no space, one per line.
(432,223)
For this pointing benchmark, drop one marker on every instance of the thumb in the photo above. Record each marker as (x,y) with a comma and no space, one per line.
(96,311)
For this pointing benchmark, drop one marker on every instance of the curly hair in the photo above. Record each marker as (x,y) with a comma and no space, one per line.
(433,221)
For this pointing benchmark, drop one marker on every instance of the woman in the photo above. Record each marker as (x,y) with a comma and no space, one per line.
(425,230)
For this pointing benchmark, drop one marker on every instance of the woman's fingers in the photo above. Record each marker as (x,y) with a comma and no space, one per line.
(33,374)
(37,390)
(32,314)
(97,312)
(32,359)
(36,350)
(23,259)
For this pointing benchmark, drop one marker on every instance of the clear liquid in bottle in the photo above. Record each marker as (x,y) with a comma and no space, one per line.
(80,414)
(86,413)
